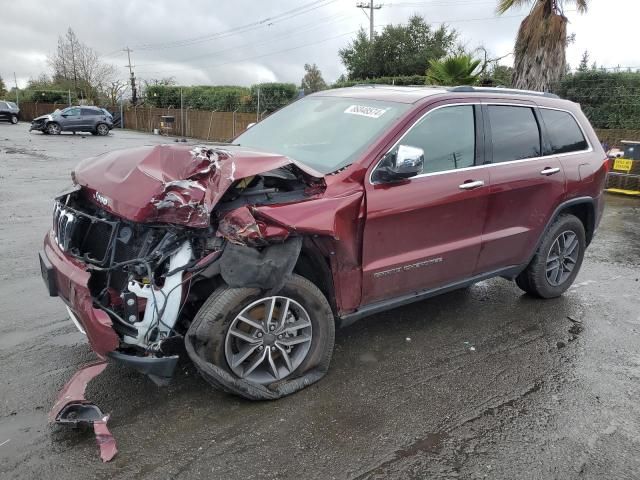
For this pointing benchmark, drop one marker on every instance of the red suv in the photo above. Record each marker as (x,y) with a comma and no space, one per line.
(346,203)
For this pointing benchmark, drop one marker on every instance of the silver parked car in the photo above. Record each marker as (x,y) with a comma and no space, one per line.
(9,112)
(74,119)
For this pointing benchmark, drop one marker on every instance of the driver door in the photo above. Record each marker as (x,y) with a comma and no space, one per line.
(71,119)
(425,232)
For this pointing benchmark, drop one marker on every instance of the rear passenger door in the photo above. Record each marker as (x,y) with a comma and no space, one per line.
(525,185)
(88,116)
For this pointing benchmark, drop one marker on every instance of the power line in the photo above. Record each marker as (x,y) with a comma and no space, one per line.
(318,23)
(268,21)
(134,93)
(371,7)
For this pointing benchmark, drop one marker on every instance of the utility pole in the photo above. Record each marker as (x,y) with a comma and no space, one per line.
(15,80)
(371,6)
(134,93)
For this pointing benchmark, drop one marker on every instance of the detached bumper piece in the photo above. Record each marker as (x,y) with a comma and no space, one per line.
(72,408)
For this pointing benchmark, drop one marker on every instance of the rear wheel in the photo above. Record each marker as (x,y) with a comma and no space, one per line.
(14,119)
(53,129)
(102,129)
(557,261)
(265,339)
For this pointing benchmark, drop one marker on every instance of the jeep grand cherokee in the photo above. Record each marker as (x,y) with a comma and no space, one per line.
(345,203)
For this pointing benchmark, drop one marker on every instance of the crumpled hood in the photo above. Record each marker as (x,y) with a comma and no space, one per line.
(42,117)
(171,183)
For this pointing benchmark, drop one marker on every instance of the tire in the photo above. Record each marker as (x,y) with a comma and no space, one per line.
(219,316)
(102,129)
(53,128)
(14,119)
(557,261)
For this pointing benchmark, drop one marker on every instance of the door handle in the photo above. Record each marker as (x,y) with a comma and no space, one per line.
(549,171)
(471,185)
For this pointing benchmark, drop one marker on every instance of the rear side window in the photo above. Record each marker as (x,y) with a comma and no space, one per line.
(564,133)
(90,112)
(514,132)
(447,136)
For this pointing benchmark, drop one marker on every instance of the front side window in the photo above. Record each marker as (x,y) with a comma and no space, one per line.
(324,133)
(564,133)
(447,137)
(514,132)
(71,112)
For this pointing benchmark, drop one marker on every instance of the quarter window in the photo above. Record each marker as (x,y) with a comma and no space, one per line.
(447,136)
(514,133)
(564,133)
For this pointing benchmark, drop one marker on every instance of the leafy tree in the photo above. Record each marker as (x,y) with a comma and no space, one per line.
(608,99)
(540,50)
(399,50)
(584,62)
(497,76)
(3,88)
(454,70)
(312,80)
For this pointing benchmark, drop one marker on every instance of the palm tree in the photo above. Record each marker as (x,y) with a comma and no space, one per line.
(454,70)
(541,42)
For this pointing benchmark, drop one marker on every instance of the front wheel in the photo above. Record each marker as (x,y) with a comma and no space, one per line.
(263,340)
(53,129)
(14,119)
(557,261)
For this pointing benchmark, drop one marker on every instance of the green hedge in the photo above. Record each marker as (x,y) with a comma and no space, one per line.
(223,98)
(406,80)
(608,99)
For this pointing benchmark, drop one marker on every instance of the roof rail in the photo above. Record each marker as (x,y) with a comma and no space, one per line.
(469,88)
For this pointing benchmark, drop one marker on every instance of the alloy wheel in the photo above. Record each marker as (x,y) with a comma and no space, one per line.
(53,129)
(14,119)
(562,258)
(268,339)
(103,129)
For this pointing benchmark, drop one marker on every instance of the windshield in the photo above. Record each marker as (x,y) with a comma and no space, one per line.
(324,133)
(12,105)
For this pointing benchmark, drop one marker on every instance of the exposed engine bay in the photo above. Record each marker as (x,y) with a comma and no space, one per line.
(150,278)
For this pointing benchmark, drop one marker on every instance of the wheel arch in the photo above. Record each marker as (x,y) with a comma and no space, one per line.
(582,207)
(314,266)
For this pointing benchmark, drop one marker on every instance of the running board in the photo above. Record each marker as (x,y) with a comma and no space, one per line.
(377,307)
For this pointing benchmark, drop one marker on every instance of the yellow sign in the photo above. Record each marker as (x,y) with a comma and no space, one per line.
(622,164)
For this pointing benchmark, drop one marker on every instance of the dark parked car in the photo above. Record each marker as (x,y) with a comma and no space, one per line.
(9,112)
(343,204)
(74,119)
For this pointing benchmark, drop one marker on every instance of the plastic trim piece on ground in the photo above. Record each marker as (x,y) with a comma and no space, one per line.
(71,408)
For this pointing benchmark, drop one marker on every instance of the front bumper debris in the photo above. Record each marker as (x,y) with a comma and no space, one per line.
(68,279)
(72,408)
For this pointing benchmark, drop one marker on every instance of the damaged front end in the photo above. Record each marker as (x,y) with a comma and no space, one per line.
(133,271)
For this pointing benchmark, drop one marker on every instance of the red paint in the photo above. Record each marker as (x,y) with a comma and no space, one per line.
(427,227)
(73,390)
(168,183)
(72,281)
(73,394)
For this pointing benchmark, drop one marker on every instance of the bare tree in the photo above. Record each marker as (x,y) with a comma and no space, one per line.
(115,89)
(79,66)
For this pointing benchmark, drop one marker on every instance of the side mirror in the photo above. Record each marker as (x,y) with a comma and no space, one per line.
(405,162)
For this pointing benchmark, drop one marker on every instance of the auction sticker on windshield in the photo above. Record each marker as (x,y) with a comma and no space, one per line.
(363,110)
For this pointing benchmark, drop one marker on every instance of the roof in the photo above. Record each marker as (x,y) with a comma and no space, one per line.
(415,93)
(390,93)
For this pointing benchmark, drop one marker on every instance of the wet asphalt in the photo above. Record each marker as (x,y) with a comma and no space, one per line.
(480,383)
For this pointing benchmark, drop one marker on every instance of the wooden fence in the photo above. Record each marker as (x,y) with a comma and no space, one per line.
(201,124)
(221,126)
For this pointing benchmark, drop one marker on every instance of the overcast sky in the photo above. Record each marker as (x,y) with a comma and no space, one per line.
(242,42)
